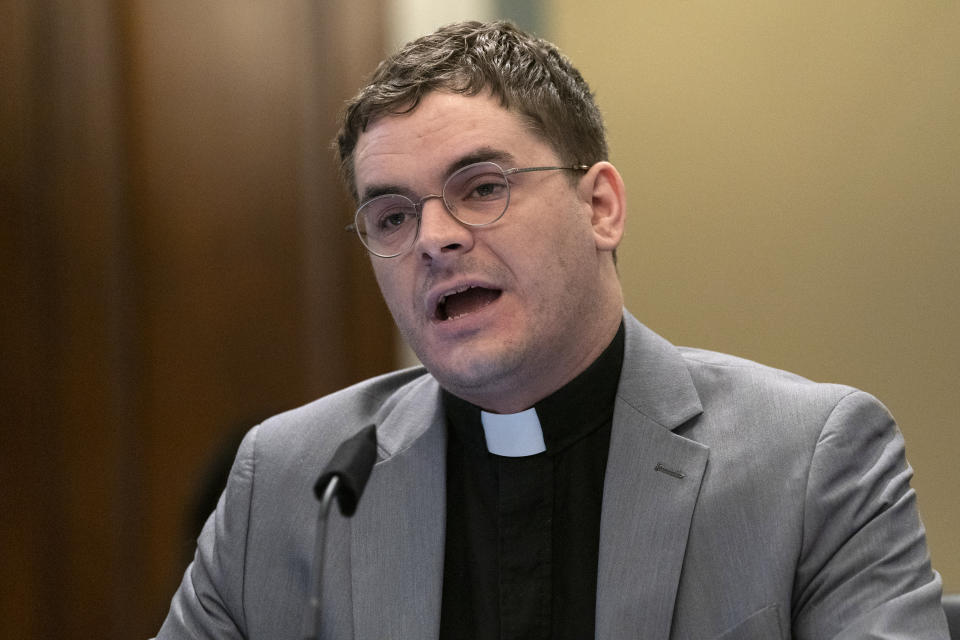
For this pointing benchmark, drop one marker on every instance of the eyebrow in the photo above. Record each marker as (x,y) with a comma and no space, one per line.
(481,154)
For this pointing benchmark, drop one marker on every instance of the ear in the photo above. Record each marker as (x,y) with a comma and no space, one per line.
(602,187)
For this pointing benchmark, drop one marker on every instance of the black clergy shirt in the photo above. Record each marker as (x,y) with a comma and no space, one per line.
(522,534)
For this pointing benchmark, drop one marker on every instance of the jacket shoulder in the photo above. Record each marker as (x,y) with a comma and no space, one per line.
(329,420)
(719,375)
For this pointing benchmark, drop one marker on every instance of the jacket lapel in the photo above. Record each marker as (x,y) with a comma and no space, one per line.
(652,482)
(397,536)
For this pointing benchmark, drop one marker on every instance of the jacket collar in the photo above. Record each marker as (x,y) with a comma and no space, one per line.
(655,380)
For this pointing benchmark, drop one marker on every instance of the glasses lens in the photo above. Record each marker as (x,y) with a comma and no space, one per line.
(477,194)
(387,224)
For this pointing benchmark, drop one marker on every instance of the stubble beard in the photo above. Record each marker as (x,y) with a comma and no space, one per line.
(471,375)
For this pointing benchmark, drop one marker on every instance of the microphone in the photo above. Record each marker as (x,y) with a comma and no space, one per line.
(344,478)
(349,469)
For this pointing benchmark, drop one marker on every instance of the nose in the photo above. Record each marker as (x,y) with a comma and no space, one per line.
(440,233)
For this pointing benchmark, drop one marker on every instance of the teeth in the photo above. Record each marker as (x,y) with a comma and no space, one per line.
(443,298)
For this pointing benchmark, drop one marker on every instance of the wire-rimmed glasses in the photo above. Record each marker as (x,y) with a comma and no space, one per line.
(475,195)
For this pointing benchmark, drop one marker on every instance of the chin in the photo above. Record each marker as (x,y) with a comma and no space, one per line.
(465,374)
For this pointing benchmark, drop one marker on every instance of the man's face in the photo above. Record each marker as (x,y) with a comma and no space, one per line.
(505,314)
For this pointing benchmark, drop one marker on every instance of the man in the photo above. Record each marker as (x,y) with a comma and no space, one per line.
(556,469)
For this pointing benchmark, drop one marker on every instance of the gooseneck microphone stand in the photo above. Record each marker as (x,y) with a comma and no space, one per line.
(344,480)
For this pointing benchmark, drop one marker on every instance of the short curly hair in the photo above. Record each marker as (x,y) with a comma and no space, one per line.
(527,74)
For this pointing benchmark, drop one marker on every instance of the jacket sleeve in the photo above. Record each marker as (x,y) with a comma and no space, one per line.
(209,602)
(864,569)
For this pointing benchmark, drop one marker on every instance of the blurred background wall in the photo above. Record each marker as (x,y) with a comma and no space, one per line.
(175,269)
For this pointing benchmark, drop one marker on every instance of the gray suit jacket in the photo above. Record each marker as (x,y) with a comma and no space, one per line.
(739,502)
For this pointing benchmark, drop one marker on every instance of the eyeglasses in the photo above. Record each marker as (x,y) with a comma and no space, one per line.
(476,196)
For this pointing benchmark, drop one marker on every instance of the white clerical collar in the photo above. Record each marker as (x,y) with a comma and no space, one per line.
(513,434)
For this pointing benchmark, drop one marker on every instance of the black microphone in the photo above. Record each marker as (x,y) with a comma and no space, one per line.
(344,478)
(351,466)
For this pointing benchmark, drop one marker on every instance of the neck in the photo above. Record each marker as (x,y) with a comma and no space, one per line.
(521,392)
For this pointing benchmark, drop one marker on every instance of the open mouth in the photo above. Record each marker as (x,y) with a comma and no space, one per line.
(465,301)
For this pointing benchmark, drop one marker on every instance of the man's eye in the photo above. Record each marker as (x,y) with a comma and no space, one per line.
(390,221)
(487,190)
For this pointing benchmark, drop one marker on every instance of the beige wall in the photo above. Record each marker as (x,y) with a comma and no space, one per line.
(792,171)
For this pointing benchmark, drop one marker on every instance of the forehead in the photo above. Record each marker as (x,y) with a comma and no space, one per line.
(416,149)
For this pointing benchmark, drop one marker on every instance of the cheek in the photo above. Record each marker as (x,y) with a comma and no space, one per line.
(390,287)
(566,238)
(563,268)
(383,281)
